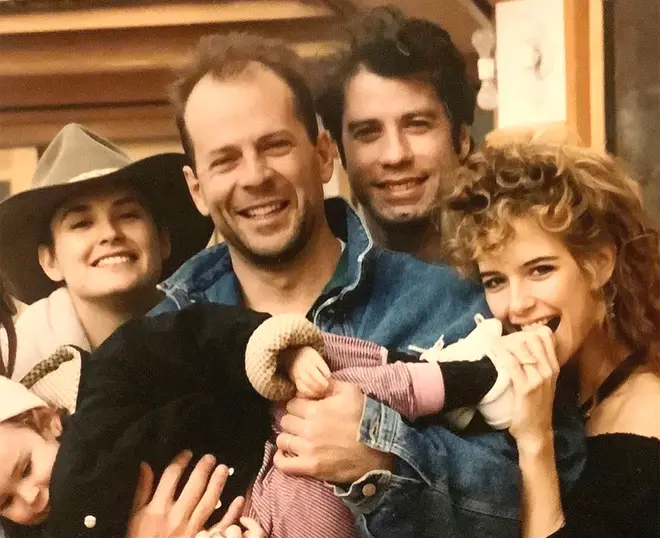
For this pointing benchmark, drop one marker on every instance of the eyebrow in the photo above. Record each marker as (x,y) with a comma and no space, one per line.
(356,124)
(274,134)
(426,112)
(529,263)
(81,208)
(233,147)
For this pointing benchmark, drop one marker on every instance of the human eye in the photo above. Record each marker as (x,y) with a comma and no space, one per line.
(278,146)
(419,125)
(223,163)
(130,214)
(80,223)
(492,283)
(27,469)
(542,270)
(368,133)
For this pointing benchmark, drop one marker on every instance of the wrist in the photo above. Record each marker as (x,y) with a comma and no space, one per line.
(383,461)
(534,445)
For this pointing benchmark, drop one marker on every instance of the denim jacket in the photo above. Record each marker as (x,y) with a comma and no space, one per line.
(387,297)
(450,486)
(397,301)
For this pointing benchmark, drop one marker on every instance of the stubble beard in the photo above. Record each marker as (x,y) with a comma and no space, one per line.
(285,255)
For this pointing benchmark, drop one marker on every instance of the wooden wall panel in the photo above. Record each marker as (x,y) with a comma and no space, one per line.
(174,14)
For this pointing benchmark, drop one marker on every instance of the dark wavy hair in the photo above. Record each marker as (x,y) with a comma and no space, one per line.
(393,46)
(587,200)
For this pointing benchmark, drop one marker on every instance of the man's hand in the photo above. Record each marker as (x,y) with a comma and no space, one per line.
(161,515)
(310,372)
(320,438)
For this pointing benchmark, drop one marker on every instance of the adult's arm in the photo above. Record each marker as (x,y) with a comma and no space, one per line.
(399,480)
(530,360)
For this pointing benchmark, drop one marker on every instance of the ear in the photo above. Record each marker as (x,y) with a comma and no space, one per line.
(602,266)
(326,151)
(46,421)
(195,189)
(165,242)
(464,142)
(52,424)
(49,263)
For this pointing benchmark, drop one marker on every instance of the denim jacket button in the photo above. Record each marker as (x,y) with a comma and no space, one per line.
(369,490)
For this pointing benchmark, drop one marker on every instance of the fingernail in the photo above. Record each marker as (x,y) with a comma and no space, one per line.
(209,458)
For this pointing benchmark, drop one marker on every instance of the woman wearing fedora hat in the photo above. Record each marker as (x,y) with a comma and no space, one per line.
(87,245)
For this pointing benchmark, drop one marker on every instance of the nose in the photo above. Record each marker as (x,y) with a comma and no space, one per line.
(29,492)
(520,300)
(256,171)
(396,150)
(110,230)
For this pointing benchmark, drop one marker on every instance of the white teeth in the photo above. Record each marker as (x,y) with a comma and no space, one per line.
(534,325)
(400,187)
(263,210)
(113,260)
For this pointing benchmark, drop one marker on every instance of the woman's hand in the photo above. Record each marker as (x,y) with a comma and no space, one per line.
(163,516)
(529,358)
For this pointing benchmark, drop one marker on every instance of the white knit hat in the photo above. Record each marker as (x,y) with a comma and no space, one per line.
(16,399)
(55,379)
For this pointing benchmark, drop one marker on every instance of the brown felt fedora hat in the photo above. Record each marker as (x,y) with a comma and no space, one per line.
(76,161)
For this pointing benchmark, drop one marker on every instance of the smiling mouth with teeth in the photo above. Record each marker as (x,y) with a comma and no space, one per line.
(402,186)
(114,260)
(264,210)
(551,322)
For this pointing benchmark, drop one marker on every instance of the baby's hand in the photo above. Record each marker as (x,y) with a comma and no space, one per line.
(309,371)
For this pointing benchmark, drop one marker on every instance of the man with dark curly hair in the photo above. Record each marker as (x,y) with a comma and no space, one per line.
(399,105)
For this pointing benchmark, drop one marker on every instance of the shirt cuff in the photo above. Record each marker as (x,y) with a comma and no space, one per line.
(377,430)
(364,494)
(428,388)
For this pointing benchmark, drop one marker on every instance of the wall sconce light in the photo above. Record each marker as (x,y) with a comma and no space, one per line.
(483,41)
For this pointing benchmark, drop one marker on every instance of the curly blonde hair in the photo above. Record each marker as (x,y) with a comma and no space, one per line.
(586,199)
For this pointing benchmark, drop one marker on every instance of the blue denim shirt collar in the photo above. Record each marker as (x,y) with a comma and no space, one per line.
(212,267)
(347,225)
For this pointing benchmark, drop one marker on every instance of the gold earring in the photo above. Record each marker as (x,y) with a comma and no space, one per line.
(609,294)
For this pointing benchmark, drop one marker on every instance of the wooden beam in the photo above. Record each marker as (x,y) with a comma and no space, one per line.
(140,49)
(344,8)
(578,111)
(52,91)
(119,123)
(161,15)
(597,74)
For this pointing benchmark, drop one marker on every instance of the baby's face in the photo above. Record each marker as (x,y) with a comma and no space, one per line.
(26,465)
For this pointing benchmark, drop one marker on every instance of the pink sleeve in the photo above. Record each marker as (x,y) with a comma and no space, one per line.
(411,389)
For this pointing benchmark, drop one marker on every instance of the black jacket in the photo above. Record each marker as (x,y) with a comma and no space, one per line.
(157,386)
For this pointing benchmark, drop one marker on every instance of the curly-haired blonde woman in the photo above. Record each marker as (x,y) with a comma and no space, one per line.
(559,233)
